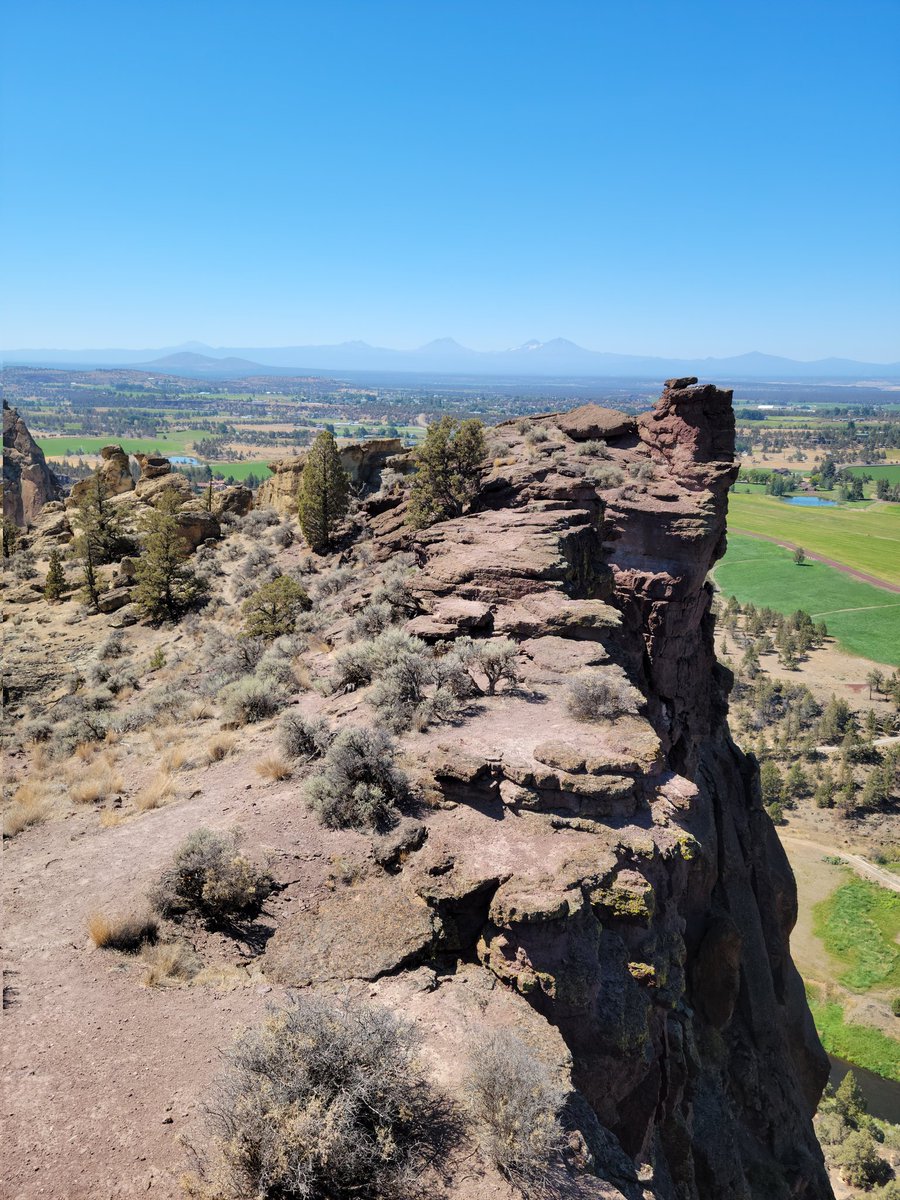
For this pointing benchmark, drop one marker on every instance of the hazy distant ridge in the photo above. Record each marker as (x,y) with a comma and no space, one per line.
(553,358)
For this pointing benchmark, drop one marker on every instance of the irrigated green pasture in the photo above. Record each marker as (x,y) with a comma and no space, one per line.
(859,924)
(866,538)
(888,471)
(72,444)
(240,470)
(863,618)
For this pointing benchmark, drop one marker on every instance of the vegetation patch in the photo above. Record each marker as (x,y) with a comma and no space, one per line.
(859,925)
(859,1044)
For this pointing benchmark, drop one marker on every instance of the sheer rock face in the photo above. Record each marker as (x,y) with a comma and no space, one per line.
(28,483)
(114,472)
(363,462)
(646,907)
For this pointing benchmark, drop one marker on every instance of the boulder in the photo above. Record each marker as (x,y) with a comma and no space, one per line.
(153,466)
(360,932)
(591,422)
(236,501)
(363,462)
(113,599)
(197,526)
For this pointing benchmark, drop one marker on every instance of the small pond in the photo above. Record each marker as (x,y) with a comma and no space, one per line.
(184,460)
(810,502)
(882,1095)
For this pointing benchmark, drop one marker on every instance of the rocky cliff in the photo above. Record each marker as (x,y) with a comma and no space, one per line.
(650,922)
(363,462)
(28,483)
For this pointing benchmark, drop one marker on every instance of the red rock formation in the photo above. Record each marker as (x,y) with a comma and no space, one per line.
(659,945)
(28,483)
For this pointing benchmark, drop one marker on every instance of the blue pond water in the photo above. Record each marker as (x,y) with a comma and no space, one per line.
(185,459)
(810,502)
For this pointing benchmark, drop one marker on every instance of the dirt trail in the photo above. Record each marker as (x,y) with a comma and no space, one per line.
(861,865)
(829,562)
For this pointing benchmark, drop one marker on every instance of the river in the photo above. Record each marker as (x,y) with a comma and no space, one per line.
(882,1095)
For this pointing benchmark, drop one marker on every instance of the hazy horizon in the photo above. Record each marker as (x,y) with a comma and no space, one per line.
(666,180)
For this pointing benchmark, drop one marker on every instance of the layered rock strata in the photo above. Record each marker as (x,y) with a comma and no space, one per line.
(651,928)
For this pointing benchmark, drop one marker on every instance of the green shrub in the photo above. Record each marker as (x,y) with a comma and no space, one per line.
(448,471)
(273,609)
(599,695)
(359,785)
(604,475)
(210,878)
(859,1162)
(249,700)
(306,738)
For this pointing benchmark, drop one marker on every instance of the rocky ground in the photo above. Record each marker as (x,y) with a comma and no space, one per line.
(610,888)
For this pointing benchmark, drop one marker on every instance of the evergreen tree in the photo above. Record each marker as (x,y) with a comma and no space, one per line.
(100,520)
(11,535)
(448,471)
(324,492)
(273,609)
(55,583)
(166,586)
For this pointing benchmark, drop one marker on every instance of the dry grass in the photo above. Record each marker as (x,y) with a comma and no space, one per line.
(110,818)
(84,751)
(102,783)
(199,710)
(219,746)
(121,933)
(169,963)
(30,806)
(273,767)
(40,760)
(174,759)
(168,736)
(160,789)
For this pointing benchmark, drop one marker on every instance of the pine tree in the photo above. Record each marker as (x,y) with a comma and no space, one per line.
(166,586)
(96,516)
(448,471)
(324,492)
(55,584)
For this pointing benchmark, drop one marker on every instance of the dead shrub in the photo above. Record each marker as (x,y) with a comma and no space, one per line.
(514,1103)
(199,710)
(219,746)
(102,783)
(30,805)
(169,963)
(273,767)
(209,877)
(161,788)
(325,1101)
(127,934)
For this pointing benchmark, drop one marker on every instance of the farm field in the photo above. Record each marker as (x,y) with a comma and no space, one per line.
(888,471)
(240,470)
(866,538)
(864,619)
(71,445)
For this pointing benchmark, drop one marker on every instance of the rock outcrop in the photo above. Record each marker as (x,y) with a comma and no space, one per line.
(653,929)
(363,462)
(114,473)
(28,483)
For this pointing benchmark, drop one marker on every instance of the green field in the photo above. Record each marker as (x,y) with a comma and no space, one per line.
(859,925)
(888,471)
(863,618)
(865,537)
(240,470)
(71,445)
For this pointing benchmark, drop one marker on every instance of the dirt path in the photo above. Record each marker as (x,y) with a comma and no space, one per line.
(829,562)
(861,865)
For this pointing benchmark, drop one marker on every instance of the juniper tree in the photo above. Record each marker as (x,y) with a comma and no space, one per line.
(273,609)
(448,471)
(324,492)
(99,519)
(166,585)
(55,584)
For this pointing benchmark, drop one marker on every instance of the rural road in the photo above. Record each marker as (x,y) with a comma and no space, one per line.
(861,865)
(829,562)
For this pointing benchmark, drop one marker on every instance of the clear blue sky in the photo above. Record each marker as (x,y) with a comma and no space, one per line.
(657,176)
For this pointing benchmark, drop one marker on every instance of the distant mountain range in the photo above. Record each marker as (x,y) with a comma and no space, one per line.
(556,358)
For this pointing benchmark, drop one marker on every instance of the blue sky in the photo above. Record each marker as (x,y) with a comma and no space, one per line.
(673,177)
